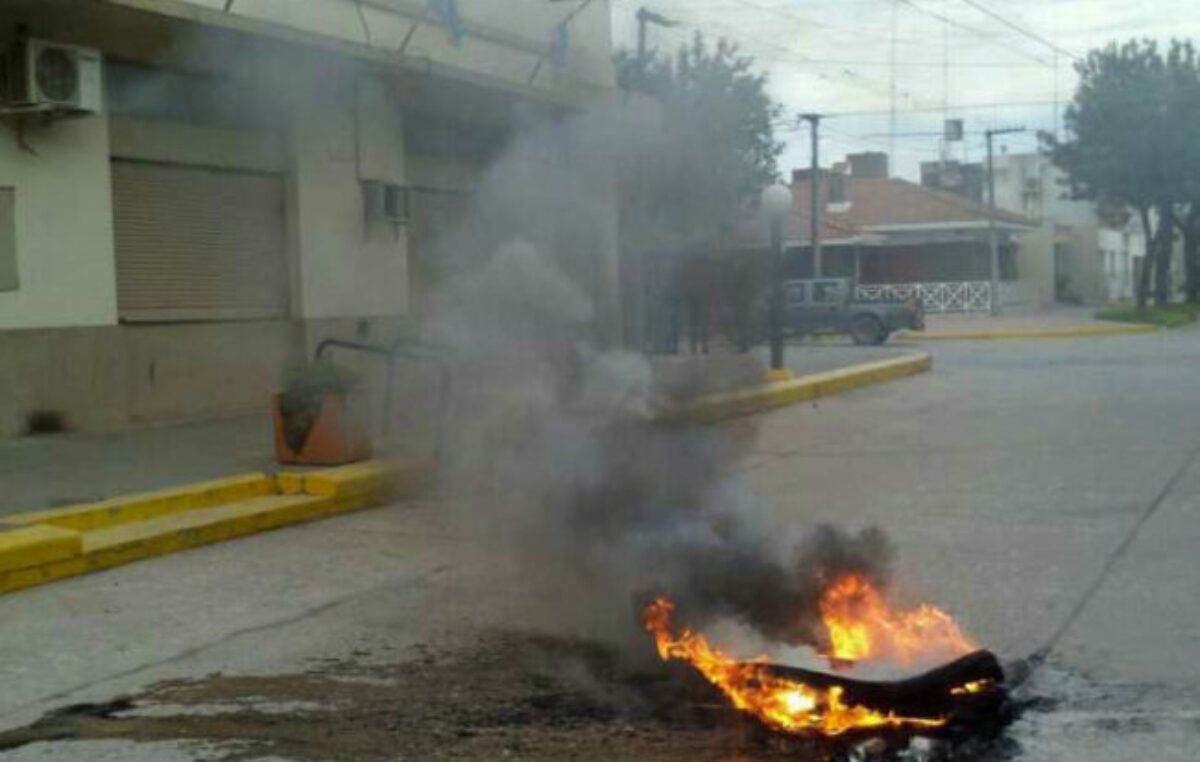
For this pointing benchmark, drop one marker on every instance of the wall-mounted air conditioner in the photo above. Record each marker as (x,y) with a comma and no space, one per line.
(51,77)
(385,201)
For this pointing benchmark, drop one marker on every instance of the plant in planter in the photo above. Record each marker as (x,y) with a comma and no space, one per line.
(319,417)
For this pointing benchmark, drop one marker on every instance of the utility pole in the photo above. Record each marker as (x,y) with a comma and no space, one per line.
(892,88)
(649,326)
(641,22)
(814,195)
(993,233)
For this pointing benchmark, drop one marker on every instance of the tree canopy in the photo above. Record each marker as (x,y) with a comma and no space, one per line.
(719,150)
(1130,142)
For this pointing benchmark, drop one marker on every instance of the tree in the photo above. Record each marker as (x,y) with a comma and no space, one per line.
(720,150)
(1183,63)
(1189,228)
(712,152)
(1129,145)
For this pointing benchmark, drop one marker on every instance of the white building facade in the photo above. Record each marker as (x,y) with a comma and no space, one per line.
(262,174)
(1074,257)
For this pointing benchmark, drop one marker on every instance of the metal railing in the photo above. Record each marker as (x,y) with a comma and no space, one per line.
(965,296)
(401,349)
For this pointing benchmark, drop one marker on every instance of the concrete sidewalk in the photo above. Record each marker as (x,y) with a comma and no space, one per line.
(64,469)
(37,473)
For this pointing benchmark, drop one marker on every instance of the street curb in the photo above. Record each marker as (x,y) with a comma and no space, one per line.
(40,549)
(719,407)
(148,505)
(1052,333)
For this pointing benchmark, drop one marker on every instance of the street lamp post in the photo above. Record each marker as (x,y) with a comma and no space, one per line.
(776,202)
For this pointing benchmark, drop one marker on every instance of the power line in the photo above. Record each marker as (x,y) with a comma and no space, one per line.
(882,143)
(808,21)
(952,107)
(927,64)
(857,33)
(787,55)
(929,134)
(970,30)
(1019,29)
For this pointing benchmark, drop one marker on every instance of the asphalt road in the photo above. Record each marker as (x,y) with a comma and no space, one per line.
(1046,492)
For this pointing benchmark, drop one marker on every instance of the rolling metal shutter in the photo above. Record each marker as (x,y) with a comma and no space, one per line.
(198,244)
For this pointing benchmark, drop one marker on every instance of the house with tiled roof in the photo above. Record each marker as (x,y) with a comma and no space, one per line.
(888,232)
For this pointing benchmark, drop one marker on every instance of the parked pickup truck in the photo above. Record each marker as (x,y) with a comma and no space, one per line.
(826,305)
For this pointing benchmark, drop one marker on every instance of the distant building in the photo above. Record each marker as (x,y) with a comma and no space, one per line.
(887,232)
(871,165)
(966,180)
(1074,256)
(242,180)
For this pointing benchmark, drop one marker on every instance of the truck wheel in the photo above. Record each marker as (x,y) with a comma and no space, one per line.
(867,331)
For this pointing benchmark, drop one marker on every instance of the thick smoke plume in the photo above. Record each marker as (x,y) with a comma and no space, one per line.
(551,429)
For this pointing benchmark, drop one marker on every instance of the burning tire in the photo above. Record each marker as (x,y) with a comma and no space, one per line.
(967,692)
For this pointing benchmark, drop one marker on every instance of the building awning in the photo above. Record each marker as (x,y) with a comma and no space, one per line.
(253,18)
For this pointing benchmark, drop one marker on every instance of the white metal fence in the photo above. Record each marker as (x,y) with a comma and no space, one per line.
(968,296)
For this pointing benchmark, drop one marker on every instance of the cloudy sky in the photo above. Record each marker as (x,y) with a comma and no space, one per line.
(989,62)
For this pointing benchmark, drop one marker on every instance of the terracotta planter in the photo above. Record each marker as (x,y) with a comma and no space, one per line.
(326,431)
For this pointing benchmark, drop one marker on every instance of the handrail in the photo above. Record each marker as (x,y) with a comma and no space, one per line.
(401,348)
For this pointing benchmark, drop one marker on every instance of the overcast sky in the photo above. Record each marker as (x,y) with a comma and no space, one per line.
(953,59)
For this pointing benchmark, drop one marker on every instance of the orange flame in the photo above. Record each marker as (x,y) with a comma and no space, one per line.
(860,625)
(971,688)
(782,704)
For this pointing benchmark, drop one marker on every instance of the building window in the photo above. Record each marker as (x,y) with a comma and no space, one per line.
(8,240)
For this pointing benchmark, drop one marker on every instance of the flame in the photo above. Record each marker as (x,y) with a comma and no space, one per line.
(860,626)
(782,704)
(977,686)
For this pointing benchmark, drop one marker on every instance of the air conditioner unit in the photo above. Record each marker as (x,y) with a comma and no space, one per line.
(48,76)
(386,201)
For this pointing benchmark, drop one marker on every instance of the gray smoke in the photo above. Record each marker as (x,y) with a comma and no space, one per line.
(551,428)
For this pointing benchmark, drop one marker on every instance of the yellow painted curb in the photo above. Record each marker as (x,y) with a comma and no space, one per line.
(289,483)
(777,375)
(719,407)
(147,505)
(35,554)
(354,479)
(25,546)
(1050,333)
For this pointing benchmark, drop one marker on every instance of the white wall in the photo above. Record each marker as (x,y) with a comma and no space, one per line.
(346,268)
(1065,221)
(1121,248)
(1035,263)
(63,226)
(1012,173)
(178,143)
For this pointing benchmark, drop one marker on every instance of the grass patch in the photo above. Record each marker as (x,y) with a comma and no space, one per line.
(1170,316)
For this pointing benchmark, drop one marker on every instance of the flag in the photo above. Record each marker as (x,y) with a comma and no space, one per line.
(447,13)
(560,41)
